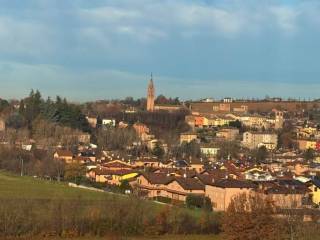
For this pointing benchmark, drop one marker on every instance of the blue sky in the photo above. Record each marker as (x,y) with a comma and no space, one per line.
(103,49)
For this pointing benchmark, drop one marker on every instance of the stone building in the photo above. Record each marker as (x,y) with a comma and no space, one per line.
(254,140)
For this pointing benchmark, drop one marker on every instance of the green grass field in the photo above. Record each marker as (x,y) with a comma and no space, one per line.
(14,187)
(17,187)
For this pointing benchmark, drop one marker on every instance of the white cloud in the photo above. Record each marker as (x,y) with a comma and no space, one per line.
(211,18)
(108,14)
(285,17)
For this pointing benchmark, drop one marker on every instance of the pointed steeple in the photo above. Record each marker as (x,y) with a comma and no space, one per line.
(150,95)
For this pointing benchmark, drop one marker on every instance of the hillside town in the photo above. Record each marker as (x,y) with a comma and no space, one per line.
(170,151)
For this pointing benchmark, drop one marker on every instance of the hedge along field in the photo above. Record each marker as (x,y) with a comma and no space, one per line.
(33,207)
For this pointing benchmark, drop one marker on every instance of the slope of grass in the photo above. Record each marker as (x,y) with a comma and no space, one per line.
(56,203)
(16,187)
(26,187)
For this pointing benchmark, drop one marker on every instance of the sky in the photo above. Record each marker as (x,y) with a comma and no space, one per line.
(106,49)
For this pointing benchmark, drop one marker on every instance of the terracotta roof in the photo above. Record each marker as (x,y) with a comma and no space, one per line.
(190,183)
(187,172)
(120,172)
(217,173)
(116,164)
(285,190)
(232,183)
(205,179)
(158,178)
(283,187)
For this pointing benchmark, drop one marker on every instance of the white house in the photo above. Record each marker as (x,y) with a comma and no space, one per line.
(109,122)
(209,150)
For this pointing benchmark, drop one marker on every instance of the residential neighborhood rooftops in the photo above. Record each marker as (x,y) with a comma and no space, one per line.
(190,183)
(233,183)
(158,178)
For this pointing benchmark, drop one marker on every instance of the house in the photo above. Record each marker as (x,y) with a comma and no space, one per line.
(218,120)
(117,165)
(180,187)
(229,134)
(169,108)
(188,137)
(284,193)
(146,162)
(209,150)
(256,174)
(92,120)
(153,185)
(255,121)
(108,122)
(254,140)
(141,129)
(84,138)
(180,164)
(81,160)
(314,187)
(196,164)
(177,188)
(88,154)
(189,173)
(64,155)
(222,191)
(305,144)
(151,144)
(113,177)
(113,172)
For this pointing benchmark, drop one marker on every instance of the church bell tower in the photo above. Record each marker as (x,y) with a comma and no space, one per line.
(150,96)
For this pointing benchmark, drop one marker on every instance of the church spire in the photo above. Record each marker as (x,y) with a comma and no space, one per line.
(150,95)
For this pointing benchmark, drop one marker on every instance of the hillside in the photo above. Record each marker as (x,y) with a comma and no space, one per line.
(38,208)
(16,187)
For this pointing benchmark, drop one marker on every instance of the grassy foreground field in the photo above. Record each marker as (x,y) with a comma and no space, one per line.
(16,187)
(45,208)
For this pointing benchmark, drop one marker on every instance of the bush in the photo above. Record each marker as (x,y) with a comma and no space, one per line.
(195,201)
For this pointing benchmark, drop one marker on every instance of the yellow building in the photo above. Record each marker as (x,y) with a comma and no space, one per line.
(188,137)
(114,177)
(304,144)
(314,187)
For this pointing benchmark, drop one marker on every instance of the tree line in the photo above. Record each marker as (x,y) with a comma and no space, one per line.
(58,111)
